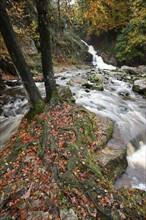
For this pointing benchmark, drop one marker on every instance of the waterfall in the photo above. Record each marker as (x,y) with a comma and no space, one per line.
(97,60)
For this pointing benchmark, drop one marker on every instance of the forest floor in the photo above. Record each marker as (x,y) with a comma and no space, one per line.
(48,170)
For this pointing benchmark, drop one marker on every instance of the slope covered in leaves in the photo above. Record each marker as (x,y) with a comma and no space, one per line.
(49,170)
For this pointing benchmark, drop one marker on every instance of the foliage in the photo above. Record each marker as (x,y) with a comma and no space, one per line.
(103,16)
(131,43)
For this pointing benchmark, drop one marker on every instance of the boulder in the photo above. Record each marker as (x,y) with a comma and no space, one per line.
(140,86)
(79,81)
(96,78)
(142,69)
(65,92)
(123,92)
(87,57)
(130,70)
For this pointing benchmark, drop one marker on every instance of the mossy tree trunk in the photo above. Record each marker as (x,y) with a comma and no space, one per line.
(43,7)
(17,57)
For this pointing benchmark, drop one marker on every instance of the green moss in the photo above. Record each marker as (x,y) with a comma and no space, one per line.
(39,108)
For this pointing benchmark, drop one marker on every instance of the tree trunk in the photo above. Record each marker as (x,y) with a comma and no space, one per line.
(16,55)
(45,45)
(59,15)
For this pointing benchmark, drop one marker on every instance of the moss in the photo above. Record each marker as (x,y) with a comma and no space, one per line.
(39,108)
(96,78)
(54,97)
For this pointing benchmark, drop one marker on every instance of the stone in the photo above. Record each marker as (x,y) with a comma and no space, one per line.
(124,92)
(79,81)
(142,69)
(65,92)
(68,215)
(33,215)
(98,87)
(130,70)
(87,57)
(7,66)
(140,86)
(96,78)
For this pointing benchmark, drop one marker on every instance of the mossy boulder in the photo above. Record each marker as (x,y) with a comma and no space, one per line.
(96,78)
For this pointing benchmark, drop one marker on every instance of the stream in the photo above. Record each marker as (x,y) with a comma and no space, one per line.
(117,101)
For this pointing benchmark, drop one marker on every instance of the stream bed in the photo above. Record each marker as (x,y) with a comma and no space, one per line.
(116,101)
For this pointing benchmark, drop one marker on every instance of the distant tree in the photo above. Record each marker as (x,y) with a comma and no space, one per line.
(104,15)
(131,42)
(43,7)
(16,55)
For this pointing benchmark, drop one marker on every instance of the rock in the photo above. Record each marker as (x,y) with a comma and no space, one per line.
(68,215)
(13,83)
(88,85)
(87,57)
(130,70)
(96,78)
(33,215)
(124,92)
(108,59)
(113,160)
(65,92)
(98,87)
(79,81)
(142,69)
(140,86)
(7,66)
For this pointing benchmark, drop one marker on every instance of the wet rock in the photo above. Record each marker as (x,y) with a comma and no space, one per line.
(87,57)
(65,92)
(114,160)
(130,70)
(68,215)
(79,81)
(109,59)
(98,87)
(140,86)
(142,69)
(96,78)
(13,83)
(88,85)
(124,92)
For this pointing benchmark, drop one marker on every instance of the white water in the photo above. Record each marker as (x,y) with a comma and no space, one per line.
(97,60)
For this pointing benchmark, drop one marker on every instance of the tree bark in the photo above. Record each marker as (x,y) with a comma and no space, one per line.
(45,46)
(17,57)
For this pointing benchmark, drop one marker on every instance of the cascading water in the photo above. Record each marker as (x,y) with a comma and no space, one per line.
(97,60)
(127,111)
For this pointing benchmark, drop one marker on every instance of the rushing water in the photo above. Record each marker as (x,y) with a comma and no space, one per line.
(129,115)
(128,112)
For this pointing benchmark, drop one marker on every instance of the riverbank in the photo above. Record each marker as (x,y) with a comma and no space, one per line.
(49,170)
